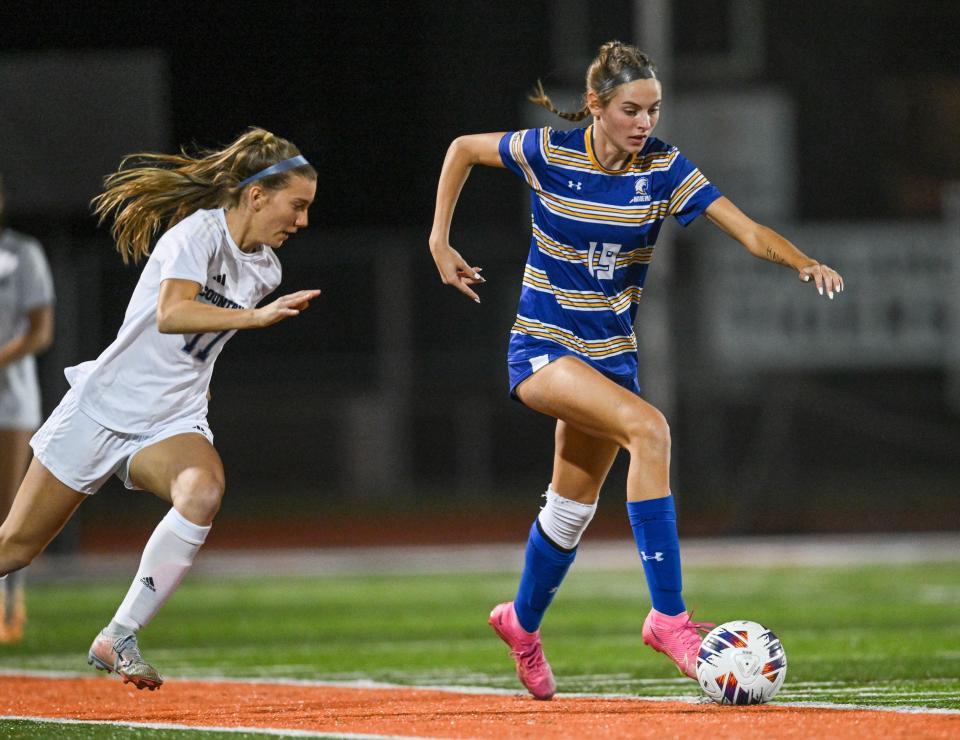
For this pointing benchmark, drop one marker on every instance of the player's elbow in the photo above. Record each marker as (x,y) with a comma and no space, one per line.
(44,341)
(460,149)
(163,321)
(467,150)
(39,335)
(41,338)
(173,314)
(754,241)
(166,320)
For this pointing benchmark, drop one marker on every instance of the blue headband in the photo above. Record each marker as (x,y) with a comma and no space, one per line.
(276,169)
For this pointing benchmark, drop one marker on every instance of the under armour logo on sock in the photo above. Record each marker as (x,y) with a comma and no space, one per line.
(148,582)
(658,556)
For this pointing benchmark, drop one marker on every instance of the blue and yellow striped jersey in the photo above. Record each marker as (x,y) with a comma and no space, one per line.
(594,232)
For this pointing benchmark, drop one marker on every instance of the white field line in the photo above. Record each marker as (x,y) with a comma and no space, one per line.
(210,728)
(481,691)
(593,555)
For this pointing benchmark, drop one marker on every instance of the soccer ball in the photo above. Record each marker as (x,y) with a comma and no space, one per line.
(741,663)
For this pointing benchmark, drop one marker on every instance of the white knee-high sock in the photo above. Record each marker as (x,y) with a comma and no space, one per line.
(166,559)
(564,520)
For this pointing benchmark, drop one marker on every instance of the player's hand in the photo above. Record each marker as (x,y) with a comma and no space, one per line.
(455,271)
(825,278)
(284,307)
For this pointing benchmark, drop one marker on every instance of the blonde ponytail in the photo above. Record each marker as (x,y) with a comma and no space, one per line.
(150,191)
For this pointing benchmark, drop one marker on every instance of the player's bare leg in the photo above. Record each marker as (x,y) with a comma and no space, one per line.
(185,471)
(581,464)
(573,392)
(14,458)
(584,398)
(43,505)
(15,444)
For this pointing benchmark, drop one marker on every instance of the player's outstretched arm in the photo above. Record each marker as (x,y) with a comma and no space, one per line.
(178,311)
(463,154)
(765,243)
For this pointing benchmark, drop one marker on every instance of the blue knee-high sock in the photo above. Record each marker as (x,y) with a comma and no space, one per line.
(654,524)
(546,565)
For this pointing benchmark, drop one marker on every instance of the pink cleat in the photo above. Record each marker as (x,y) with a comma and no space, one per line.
(525,648)
(676,637)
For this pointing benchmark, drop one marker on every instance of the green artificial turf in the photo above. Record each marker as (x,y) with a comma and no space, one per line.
(879,635)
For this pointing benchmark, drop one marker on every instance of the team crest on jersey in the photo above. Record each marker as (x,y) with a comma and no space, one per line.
(642,188)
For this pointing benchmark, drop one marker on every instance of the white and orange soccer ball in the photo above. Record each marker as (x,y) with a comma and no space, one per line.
(741,662)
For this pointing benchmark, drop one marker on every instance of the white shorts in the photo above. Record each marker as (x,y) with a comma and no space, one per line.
(82,454)
(19,396)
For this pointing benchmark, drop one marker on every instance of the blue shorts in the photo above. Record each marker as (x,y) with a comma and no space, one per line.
(520,370)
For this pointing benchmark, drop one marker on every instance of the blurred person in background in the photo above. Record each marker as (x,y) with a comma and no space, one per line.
(26,329)
(139,411)
(599,197)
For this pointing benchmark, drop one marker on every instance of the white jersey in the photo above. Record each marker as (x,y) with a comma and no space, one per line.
(146,379)
(25,284)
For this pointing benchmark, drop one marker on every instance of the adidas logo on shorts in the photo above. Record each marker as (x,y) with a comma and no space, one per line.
(148,582)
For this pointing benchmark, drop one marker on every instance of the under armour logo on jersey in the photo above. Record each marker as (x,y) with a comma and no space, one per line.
(222,279)
(148,582)
(574,185)
(658,556)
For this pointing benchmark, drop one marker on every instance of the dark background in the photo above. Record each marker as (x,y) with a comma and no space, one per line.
(364,86)
(373,93)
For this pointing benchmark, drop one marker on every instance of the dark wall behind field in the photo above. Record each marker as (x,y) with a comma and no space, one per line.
(372,91)
(376,91)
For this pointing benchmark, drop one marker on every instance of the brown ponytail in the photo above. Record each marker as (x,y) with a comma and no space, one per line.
(540,97)
(149,191)
(616,64)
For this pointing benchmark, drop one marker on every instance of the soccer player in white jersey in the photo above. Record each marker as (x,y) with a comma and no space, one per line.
(599,196)
(139,410)
(26,328)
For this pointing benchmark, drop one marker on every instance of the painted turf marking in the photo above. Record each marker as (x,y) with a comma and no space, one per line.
(210,728)
(487,690)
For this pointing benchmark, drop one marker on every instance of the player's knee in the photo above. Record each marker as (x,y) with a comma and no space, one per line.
(648,432)
(197,494)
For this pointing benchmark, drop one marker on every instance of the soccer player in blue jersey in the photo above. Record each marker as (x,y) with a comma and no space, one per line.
(599,197)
